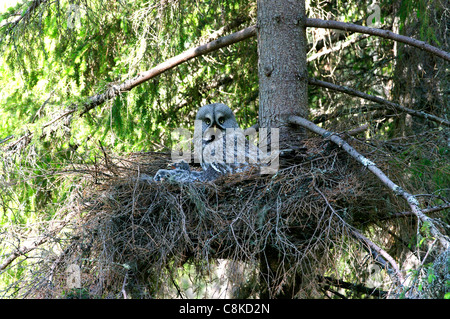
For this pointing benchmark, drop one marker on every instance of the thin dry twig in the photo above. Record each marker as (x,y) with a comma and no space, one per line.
(371,166)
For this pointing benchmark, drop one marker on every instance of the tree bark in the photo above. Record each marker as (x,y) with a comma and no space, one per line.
(283,82)
(282,67)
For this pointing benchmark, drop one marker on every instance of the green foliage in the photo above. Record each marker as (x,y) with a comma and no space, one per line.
(49,65)
(421,9)
(81,60)
(60,53)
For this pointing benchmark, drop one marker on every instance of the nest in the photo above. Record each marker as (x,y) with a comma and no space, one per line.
(133,237)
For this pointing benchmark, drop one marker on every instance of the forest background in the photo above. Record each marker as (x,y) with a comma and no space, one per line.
(57,54)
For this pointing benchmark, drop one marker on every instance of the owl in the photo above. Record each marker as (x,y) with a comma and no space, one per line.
(223,147)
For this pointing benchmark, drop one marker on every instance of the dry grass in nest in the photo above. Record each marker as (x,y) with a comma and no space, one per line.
(132,236)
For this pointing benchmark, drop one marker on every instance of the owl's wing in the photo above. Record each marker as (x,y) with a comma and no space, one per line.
(179,175)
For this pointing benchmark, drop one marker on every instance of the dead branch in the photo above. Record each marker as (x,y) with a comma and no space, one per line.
(187,55)
(354,287)
(23,250)
(321,118)
(349,27)
(377,251)
(371,166)
(67,112)
(374,248)
(377,99)
(357,130)
(6,139)
(337,47)
(430,210)
(35,244)
(238,36)
(235,23)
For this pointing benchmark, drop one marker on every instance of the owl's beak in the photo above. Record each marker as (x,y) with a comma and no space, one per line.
(211,133)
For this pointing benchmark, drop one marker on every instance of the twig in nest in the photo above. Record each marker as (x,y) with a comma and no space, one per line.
(372,245)
(371,166)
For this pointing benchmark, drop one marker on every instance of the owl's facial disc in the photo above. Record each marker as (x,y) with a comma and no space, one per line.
(220,120)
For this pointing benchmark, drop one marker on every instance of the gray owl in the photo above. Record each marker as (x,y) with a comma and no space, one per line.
(222,144)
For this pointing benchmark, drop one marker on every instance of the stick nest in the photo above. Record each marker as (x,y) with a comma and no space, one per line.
(131,236)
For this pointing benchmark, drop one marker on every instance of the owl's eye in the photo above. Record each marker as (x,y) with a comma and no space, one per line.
(221,120)
(207,121)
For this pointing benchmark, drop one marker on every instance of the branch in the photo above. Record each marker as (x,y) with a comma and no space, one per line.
(28,13)
(377,99)
(430,210)
(350,111)
(337,47)
(358,130)
(25,249)
(411,200)
(167,65)
(67,112)
(238,21)
(244,34)
(22,251)
(374,250)
(349,27)
(354,287)
(332,37)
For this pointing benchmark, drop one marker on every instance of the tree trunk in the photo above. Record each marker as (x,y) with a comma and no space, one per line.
(282,66)
(282,93)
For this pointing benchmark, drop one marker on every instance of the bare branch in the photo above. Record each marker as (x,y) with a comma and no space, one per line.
(241,35)
(67,112)
(337,47)
(430,210)
(358,130)
(167,65)
(377,99)
(22,251)
(349,27)
(374,249)
(411,200)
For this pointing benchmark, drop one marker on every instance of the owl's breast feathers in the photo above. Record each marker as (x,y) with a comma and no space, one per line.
(224,147)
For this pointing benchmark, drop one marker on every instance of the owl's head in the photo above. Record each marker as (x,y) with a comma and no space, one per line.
(216,116)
